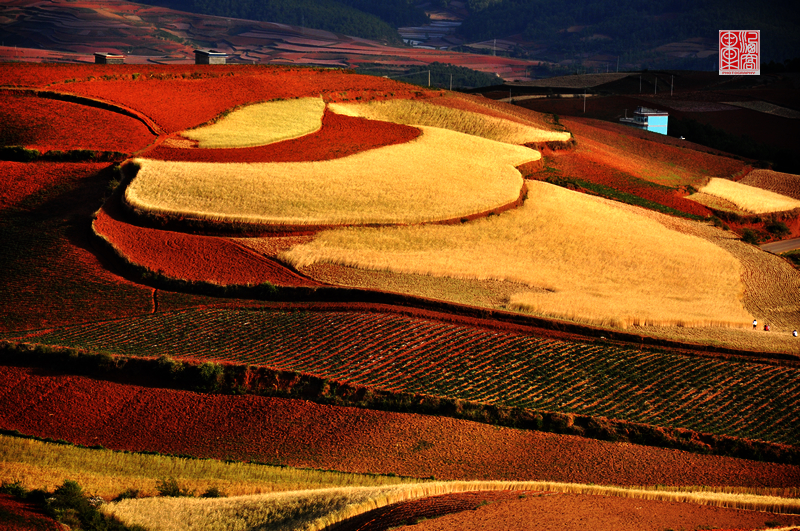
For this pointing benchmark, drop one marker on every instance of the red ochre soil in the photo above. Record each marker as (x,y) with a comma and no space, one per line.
(191,257)
(176,103)
(45,124)
(304,434)
(340,136)
(19,180)
(572,512)
(20,516)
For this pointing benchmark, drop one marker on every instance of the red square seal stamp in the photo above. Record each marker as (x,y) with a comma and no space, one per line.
(740,52)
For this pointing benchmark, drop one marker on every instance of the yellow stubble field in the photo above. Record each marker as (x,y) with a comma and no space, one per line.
(441,175)
(583,258)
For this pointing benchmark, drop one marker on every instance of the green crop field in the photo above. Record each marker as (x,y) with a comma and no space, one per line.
(411,355)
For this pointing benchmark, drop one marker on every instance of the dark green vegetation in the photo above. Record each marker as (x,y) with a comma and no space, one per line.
(70,505)
(440,76)
(397,354)
(360,18)
(631,27)
(22,154)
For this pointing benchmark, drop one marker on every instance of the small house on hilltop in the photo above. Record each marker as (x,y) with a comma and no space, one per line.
(210,57)
(103,58)
(648,119)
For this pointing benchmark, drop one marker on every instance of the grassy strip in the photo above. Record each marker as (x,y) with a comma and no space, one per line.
(247,379)
(617,195)
(318,510)
(41,463)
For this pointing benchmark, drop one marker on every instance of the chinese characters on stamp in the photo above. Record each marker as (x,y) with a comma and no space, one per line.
(739,52)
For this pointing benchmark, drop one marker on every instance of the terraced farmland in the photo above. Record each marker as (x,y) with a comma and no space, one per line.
(412,355)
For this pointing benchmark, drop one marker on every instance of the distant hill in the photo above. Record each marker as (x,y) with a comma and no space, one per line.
(360,18)
(639,32)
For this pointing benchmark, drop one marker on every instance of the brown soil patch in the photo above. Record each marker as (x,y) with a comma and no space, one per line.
(304,434)
(573,512)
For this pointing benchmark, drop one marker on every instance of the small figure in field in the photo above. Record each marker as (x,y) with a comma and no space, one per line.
(755,324)
(766,328)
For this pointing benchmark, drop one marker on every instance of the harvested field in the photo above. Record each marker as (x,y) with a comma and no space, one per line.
(787,184)
(386,185)
(537,245)
(46,124)
(339,137)
(303,434)
(425,112)
(261,123)
(419,356)
(749,198)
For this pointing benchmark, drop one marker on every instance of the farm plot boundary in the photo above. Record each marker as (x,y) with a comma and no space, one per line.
(237,379)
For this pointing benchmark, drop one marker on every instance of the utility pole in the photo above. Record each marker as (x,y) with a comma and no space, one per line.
(584,100)
(640,83)
(618,64)
(429,78)
(656,91)
(451,82)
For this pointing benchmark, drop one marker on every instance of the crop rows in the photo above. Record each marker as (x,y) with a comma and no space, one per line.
(412,355)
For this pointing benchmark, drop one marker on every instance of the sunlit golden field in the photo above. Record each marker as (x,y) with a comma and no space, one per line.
(107,473)
(583,258)
(261,123)
(440,175)
(749,198)
(315,510)
(414,112)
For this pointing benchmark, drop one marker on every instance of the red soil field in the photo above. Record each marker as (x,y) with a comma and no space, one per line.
(340,136)
(45,124)
(19,180)
(176,102)
(587,167)
(304,434)
(573,512)
(616,139)
(190,257)
(20,516)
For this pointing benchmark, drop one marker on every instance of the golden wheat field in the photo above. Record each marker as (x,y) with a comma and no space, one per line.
(315,510)
(582,258)
(440,175)
(261,123)
(416,112)
(749,198)
(107,473)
